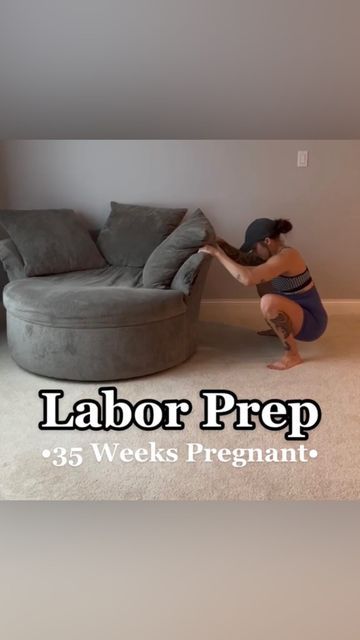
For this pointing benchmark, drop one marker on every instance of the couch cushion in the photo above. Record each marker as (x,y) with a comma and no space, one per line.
(51,241)
(11,259)
(186,275)
(167,258)
(132,232)
(39,301)
(108,276)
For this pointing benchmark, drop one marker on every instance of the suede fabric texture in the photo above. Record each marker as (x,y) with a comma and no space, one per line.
(51,241)
(167,258)
(132,232)
(98,354)
(108,276)
(11,260)
(79,306)
(189,270)
(103,324)
(154,330)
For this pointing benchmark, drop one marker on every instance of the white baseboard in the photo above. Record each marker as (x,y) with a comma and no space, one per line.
(216,309)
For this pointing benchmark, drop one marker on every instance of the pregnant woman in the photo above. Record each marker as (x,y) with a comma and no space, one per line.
(295,310)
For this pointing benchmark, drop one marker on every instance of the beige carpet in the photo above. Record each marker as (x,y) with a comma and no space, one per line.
(229,357)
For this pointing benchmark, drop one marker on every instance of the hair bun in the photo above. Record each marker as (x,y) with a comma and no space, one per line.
(282,225)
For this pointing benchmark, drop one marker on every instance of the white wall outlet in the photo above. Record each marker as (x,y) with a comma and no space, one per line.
(302,158)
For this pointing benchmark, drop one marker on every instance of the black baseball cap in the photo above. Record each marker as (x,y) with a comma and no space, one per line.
(257,231)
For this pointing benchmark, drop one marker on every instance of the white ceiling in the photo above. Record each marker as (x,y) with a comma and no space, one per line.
(256,69)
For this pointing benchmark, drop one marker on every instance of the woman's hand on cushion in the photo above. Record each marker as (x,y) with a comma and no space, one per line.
(209,248)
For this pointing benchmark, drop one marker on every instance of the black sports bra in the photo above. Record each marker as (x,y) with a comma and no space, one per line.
(289,284)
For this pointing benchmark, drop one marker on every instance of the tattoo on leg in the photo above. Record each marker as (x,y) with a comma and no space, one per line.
(282,325)
(282,322)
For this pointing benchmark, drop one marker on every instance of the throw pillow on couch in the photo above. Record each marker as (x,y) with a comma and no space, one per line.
(11,260)
(165,261)
(51,241)
(132,232)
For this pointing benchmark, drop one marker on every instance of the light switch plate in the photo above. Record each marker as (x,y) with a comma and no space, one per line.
(302,159)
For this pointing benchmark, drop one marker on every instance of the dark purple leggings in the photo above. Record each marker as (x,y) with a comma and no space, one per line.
(315,315)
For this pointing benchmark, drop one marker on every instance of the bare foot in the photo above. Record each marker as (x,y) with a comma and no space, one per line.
(267,332)
(286,362)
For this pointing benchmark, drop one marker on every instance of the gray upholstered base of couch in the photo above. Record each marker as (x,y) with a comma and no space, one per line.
(87,327)
(109,353)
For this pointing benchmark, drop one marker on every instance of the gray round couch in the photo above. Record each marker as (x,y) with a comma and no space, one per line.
(90,326)
(106,304)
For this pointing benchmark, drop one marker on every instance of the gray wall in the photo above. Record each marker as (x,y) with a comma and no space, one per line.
(232,181)
(3,180)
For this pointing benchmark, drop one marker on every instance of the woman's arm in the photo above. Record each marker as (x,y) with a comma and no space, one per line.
(248,276)
(238,256)
(230,251)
